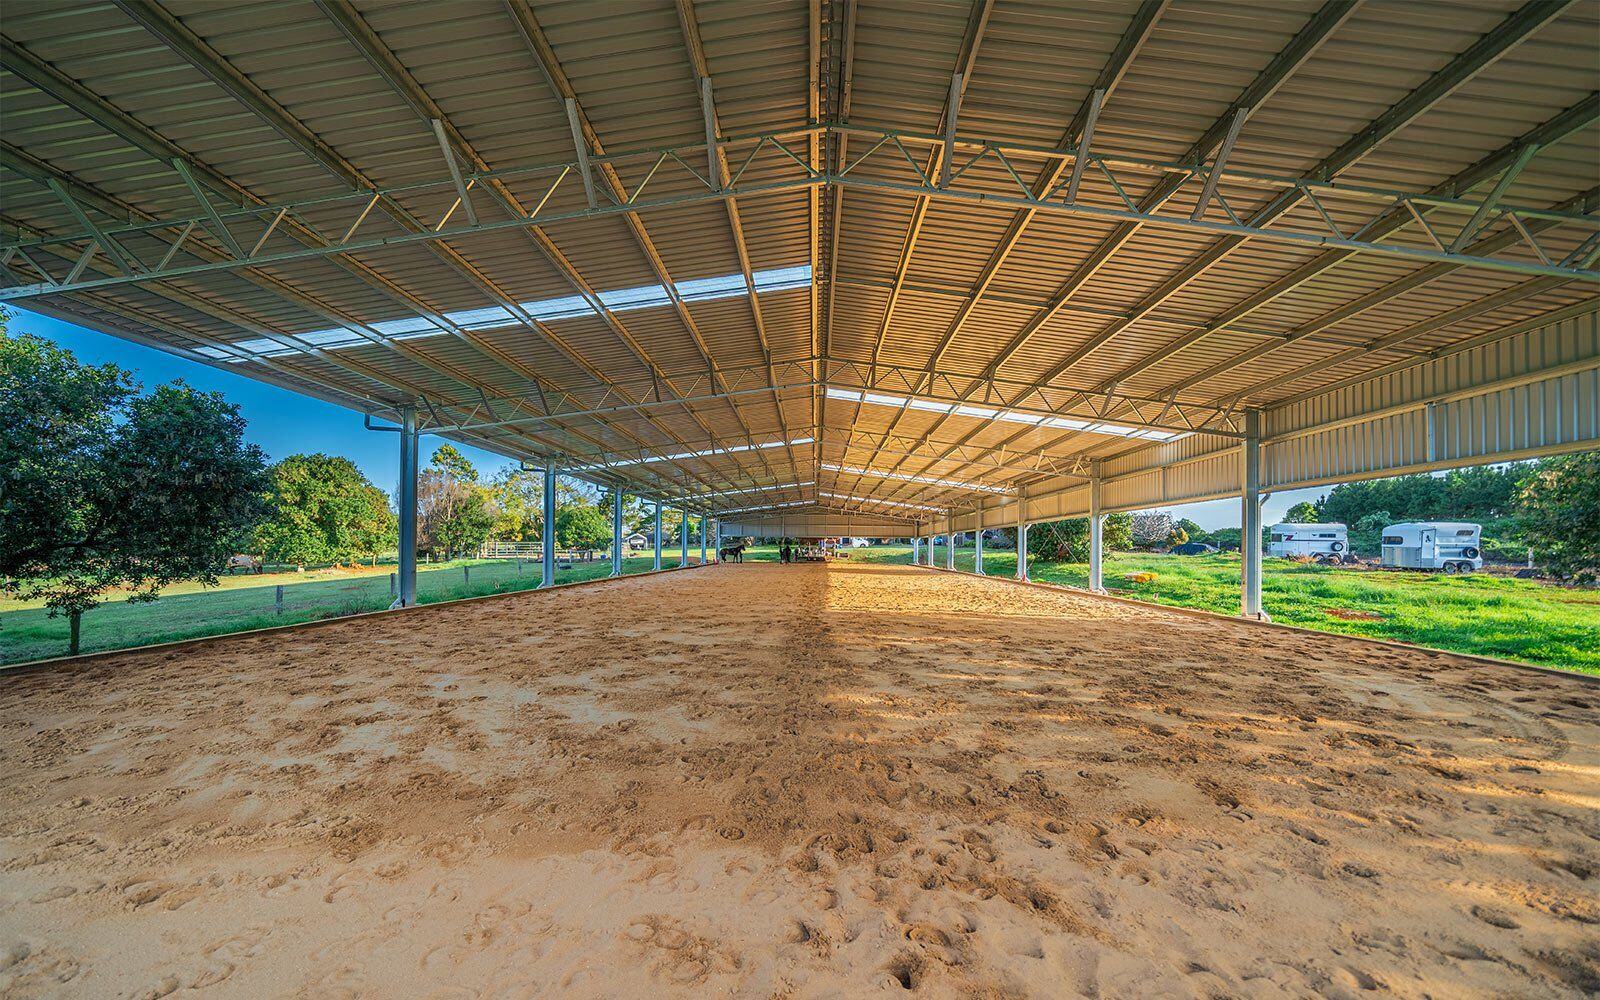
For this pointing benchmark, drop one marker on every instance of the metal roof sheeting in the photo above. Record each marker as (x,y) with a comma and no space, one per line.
(641,327)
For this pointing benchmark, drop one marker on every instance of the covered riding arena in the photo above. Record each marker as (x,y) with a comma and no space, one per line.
(897,270)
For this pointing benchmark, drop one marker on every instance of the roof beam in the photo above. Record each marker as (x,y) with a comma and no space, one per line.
(361,36)
(1509,33)
(717,164)
(176,36)
(1300,49)
(1328,19)
(544,56)
(1574,119)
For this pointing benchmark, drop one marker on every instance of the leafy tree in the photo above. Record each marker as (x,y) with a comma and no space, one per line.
(452,463)
(1478,494)
(515,495)
(101,487)
(582,526)
(672,528)
(1068,541)
(1301,513)
(1366,535)
(1192,531)
(455,512)
(1226,538)
(1558,509)
(323,510)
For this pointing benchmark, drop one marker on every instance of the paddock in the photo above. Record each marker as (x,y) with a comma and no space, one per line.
(810,780)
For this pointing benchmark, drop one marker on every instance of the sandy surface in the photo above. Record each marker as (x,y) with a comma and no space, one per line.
(884,779)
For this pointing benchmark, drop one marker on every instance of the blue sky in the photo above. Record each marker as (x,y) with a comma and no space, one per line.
(281,422)
(284,422)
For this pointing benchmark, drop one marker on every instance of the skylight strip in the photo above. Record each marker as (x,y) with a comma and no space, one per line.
(993,413)
(767,506)
(889,503)
(565,307)
(708,452)
(751,489)
(907,477)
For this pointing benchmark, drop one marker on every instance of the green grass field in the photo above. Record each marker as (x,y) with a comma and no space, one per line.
(244,602)
(1523,620)
(1493,616)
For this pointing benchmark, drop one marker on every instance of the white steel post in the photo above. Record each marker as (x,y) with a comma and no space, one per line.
(683,536)
(977,540)
(916,547)
(1022,536)
(1250,518)
(616,533)
(408,507)
(705,525)
(950,542)
(547,547)
(658,534)
(1096,534)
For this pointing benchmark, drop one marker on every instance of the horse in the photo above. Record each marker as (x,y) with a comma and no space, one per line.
(734,551)
(248,563)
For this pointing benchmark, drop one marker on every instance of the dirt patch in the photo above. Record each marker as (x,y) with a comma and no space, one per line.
(800,781)
(1352,615)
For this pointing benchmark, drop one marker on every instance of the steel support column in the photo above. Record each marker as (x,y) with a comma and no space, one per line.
(705,524)
(616,533)
(1096,535)
(683,537)
(408,508)
(547,540)
(916,549)
(1022,535)
(950,542)
(658,535)
(1250,518)
(977,540)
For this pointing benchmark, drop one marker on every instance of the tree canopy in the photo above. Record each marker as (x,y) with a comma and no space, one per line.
(455,512)
(1303,512)
(321,509)
(1068,541)
(1478,494)
(1558,512)
(101,487)
(582,526)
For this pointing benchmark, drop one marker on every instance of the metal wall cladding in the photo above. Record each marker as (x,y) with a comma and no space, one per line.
(1355,451)
(1453,410)
(1554,413)
(1458,370)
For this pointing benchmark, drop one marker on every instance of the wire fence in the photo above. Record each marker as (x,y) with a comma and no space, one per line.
(240,605)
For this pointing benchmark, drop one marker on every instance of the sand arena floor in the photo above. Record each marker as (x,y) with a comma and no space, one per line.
(880,779)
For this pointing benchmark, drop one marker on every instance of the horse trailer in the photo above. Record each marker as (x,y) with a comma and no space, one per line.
(1320,542)
(1453,546)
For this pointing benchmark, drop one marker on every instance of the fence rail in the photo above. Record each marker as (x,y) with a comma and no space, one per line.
(30,634)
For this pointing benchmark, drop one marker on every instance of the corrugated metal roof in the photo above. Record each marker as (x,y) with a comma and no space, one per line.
(591,335)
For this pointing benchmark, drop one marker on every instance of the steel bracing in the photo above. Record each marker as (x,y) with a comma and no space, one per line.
(907,261)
